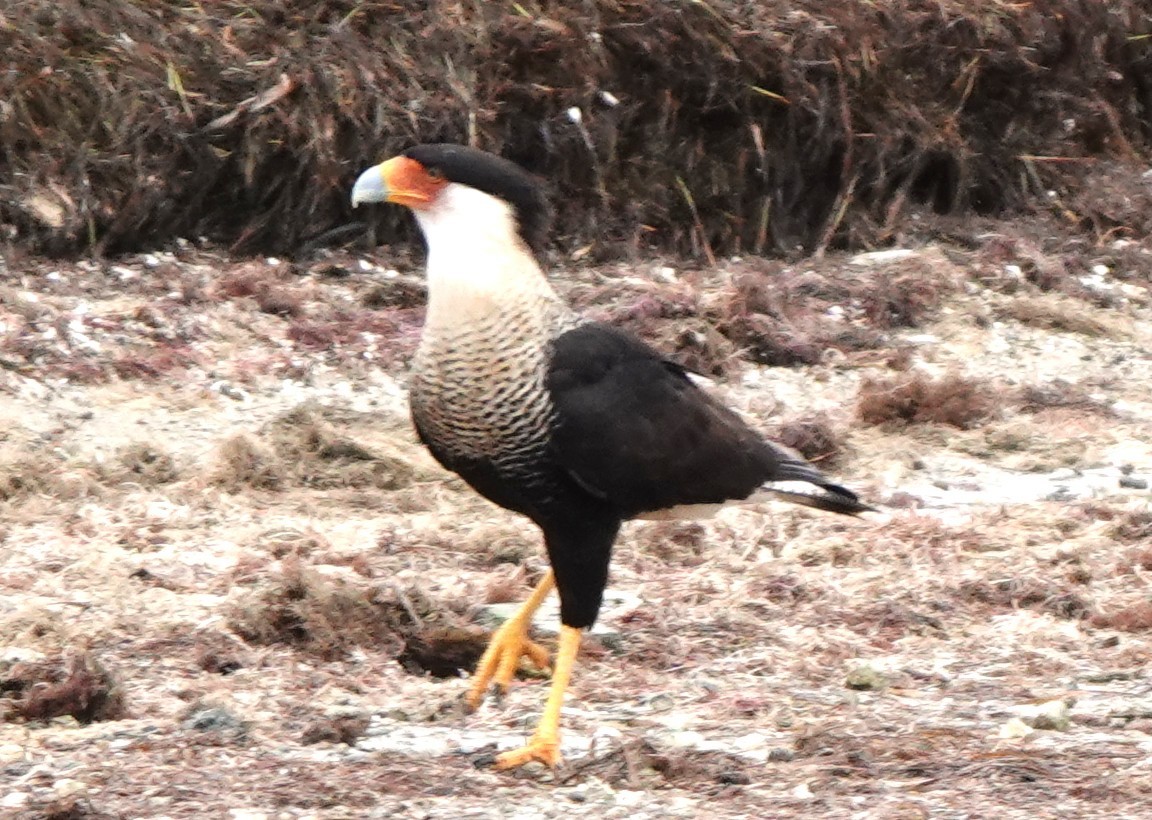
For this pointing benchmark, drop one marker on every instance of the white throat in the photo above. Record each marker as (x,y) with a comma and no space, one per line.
(477,263)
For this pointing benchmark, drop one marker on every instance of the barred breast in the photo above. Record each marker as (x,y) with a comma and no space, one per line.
(478,387)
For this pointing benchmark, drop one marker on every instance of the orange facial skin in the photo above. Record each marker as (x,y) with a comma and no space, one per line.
(409,183)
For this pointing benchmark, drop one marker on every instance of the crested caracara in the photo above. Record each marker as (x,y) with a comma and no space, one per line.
(577,425)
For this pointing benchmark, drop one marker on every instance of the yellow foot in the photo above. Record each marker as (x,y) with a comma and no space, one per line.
(502,658)
(545,743)
(539,749)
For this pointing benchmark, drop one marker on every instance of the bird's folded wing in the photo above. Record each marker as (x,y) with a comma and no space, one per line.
(634,430)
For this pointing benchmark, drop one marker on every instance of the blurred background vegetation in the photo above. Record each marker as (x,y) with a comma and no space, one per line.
(701,128)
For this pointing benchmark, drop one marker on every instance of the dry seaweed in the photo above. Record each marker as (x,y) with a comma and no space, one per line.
(780,124)
(952,400)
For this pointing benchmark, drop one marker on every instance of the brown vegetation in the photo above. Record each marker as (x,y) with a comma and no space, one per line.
(325,616)
(814,438)
(78,686)
(1034,593)
(1060,313)
(1134,618)
(800,123)
(774,313)
(303,448)
(953,400)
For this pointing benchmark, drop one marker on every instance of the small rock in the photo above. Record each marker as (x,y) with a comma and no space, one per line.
(1053,715)
(865,678)
(1014,729)
(881,257)
(66,787)
(213,719)
(593,791)
(1128,482)
(13,800)
(802,792)
(687,739)
(11,753)
(12,655)
(229,390)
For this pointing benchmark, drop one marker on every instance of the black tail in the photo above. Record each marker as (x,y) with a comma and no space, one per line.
(823,495)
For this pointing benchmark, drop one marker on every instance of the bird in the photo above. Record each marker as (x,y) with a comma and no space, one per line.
(575,424)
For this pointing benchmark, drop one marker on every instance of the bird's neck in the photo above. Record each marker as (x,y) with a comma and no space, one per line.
(479,269)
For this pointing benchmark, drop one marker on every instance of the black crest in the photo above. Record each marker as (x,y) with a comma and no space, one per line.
(493,175)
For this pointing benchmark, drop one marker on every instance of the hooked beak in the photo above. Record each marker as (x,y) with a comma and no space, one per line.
(371,186)
(401,180)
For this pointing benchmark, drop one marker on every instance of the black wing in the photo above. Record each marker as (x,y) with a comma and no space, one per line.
(634,430)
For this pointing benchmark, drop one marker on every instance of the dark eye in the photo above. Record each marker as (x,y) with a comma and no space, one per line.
(434,173)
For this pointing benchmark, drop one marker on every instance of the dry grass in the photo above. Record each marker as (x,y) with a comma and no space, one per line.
(325,616)
(1059,394)
(773,313)
(1056,312)
(24,473)
(953,400)
(140,463)
(815,438)
(303,448)
(246,463)
(798,123)
(78,686)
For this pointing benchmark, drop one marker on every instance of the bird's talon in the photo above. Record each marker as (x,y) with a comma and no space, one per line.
(501,659)
(538,750)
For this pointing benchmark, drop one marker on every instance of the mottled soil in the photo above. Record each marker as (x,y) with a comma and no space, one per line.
(227,567)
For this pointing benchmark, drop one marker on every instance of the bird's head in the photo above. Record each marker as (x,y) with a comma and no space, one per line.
(443,183)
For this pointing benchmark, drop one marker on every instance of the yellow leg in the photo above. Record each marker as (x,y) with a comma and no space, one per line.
(509,644)
(545,743)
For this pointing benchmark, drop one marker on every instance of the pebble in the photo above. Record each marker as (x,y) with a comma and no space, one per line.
(12,655)
(1015,728)
(865,677)
(14,800)
(67,787)
(213,720)
(881,257)
(1053,715)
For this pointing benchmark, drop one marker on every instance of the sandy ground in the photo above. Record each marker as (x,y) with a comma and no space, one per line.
(226,566)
